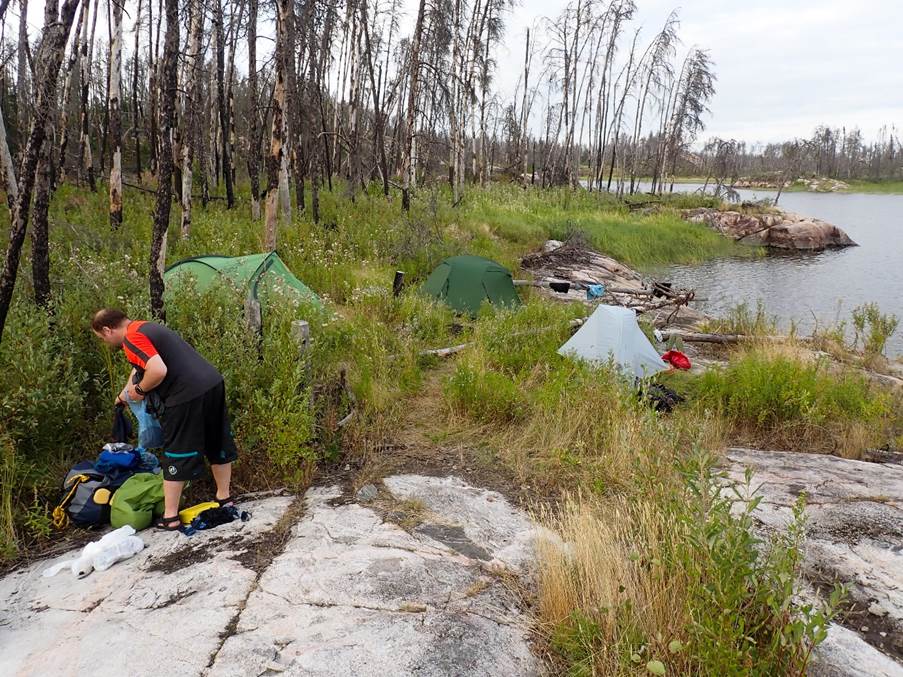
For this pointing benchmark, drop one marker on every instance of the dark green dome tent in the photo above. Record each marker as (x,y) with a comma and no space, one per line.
(464,282)
(254,273)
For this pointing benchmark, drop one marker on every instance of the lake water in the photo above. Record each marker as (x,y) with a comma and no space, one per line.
(816,287)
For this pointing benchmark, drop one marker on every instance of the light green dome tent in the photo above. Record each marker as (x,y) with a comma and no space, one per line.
(464,282)
(253,273)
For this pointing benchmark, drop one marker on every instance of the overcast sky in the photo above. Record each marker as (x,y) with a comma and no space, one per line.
(783,66)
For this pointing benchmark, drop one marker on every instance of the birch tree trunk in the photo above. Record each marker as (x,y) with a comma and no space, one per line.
(409,166)
(191,105)
(136,111)
(169,84)
(116,117)
(7,168)
(50,55)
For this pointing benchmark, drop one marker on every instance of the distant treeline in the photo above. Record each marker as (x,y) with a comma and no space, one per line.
(841,154)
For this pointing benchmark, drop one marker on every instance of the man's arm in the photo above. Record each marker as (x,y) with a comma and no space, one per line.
(120,398)
(154,373)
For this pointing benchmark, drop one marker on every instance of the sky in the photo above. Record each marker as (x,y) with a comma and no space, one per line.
(783,66)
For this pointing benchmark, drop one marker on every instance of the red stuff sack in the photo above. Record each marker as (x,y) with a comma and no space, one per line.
(677,359)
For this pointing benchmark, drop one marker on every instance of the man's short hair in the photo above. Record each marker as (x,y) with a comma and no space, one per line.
(107,317)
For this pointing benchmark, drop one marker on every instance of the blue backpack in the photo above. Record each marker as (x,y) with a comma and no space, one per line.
(79,488)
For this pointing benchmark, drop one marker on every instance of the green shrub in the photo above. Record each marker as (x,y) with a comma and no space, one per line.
(778,396)
(873,328)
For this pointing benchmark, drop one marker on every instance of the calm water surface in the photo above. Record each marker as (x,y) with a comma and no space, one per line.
(822,287)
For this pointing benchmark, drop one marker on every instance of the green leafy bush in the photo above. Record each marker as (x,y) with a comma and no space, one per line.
(778,396)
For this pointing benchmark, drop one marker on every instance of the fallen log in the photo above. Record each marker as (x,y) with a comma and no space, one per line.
(698,337)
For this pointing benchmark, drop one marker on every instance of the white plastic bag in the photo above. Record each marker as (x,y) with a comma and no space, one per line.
(101,554)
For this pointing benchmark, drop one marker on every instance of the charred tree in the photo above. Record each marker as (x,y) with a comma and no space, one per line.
(221,101)
(254,125)
(49,55)
(115,108)
(408,168)
(168,84)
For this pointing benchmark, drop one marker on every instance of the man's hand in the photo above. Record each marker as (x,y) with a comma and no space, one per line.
(133,394)
(119,399)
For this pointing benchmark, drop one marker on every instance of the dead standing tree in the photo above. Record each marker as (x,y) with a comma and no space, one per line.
(115,105)
(277,129)
(191,104)
(169,84)
(221,101)
(87,47)
(408,167)
(49,55)
(254,125)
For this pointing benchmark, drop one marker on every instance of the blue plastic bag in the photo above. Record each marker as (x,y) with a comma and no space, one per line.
(150,432)
(595,291)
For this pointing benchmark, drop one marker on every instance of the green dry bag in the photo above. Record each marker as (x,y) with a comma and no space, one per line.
(137,501)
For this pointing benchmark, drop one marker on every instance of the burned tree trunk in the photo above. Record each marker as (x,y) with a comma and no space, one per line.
(67,92)
(169,84)
(115,105)
(277,129)
(50,56)
(379,121)
(254,114)
(84,81)
(408,168)
(23,95)
(221,101)
(40,231)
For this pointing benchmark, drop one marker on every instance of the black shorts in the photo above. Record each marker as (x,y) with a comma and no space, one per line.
(195,430)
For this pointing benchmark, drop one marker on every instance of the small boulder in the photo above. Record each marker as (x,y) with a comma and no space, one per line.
(366,493)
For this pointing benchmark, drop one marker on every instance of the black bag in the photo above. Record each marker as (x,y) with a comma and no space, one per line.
(122,426)
(660,397)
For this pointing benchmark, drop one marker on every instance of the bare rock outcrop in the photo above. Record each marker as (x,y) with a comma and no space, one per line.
(413,582)
(854,537)
(780,230)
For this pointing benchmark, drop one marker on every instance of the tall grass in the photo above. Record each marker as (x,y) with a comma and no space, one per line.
(675,584)
(781,397)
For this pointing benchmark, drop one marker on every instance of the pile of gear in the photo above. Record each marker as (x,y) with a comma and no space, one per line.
(123,488)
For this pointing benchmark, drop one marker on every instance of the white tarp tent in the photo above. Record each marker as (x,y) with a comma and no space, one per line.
(612,333)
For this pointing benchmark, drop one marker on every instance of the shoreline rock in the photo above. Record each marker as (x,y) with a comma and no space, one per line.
(781,230)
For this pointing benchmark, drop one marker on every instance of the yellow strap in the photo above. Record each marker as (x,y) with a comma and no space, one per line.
(60,518)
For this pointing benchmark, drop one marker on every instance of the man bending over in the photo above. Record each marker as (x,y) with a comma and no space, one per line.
(188,396)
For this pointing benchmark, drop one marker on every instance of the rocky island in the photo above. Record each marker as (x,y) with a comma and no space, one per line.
(777,229)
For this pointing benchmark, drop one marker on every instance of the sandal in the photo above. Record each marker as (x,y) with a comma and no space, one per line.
(168,523)
(223,502)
